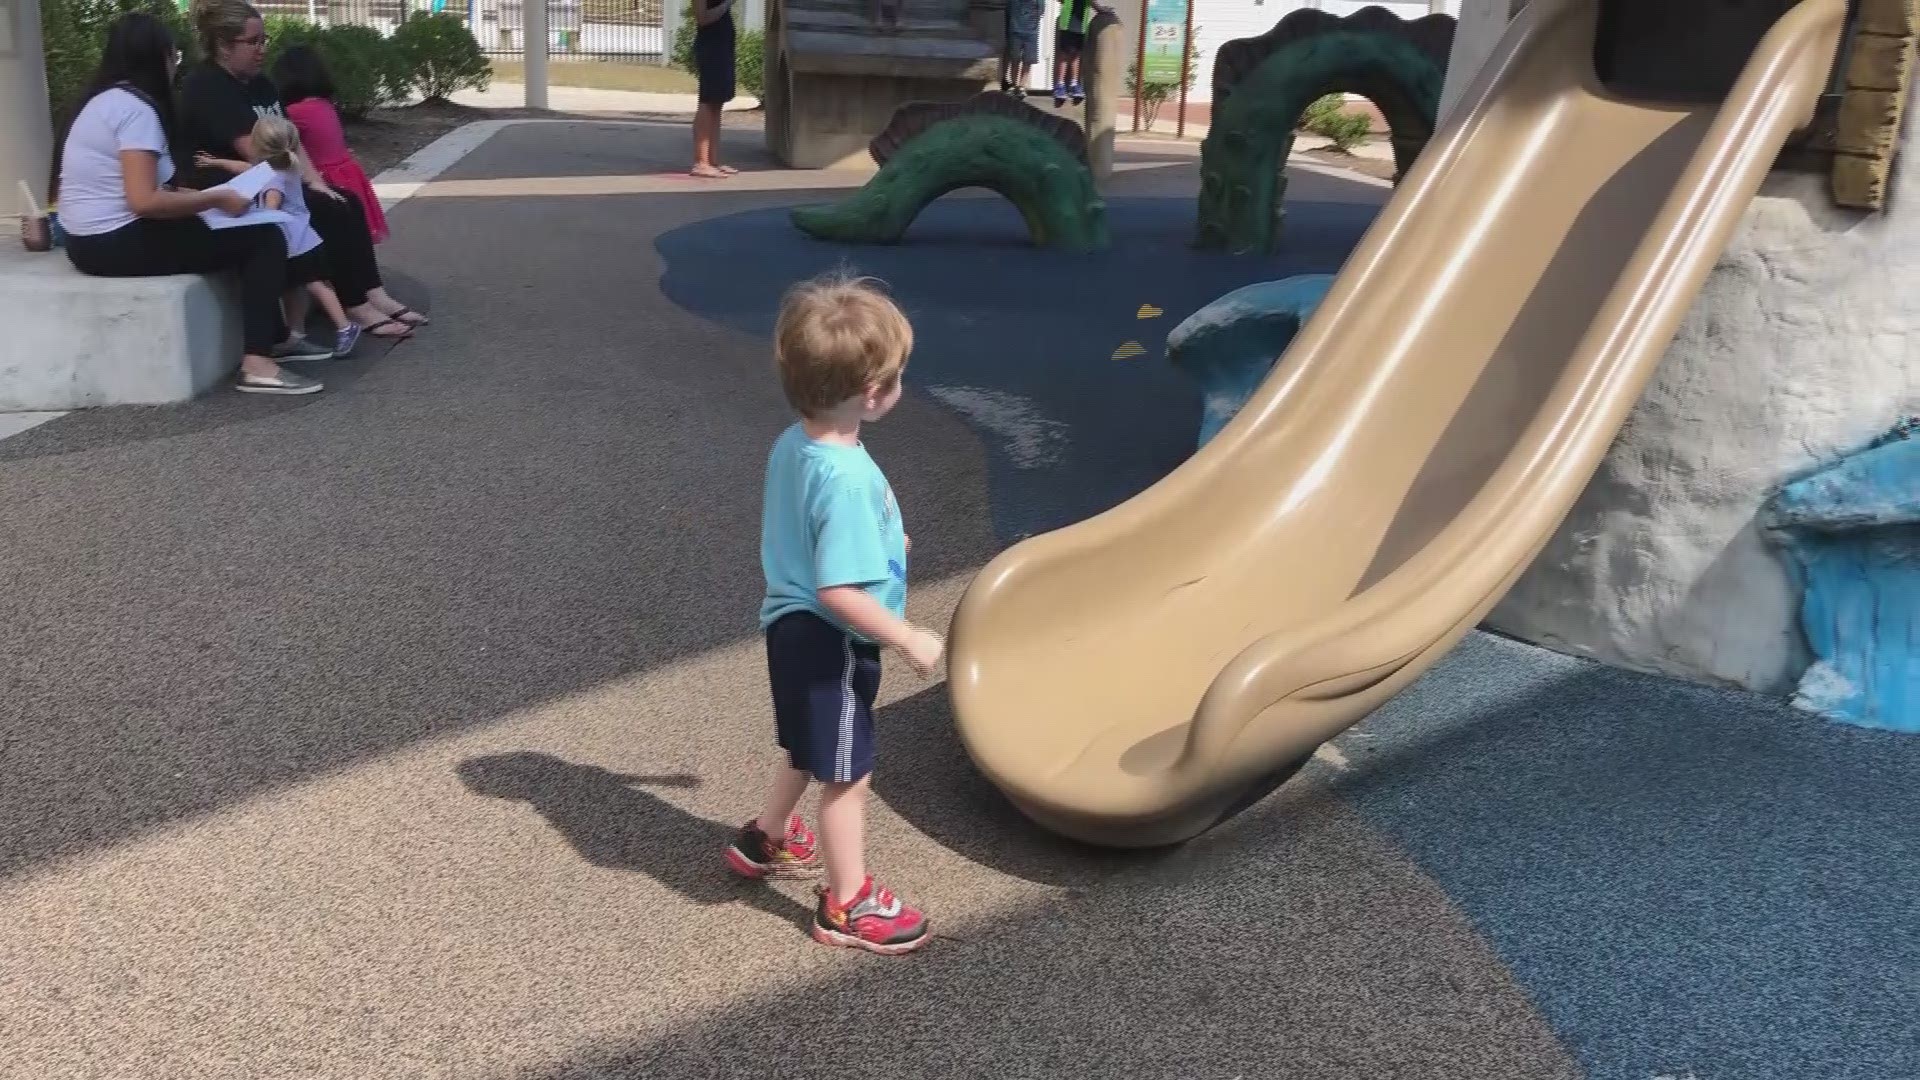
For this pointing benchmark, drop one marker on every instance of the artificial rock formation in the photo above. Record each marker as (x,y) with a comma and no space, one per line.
(1036,160)
(1230,346)
(1262,85)
(1798,352)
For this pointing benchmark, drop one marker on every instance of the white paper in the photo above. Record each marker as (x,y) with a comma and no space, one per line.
(252,182)
(259,215)
(249,185)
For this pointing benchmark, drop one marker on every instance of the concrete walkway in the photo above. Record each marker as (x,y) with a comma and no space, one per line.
(589,101)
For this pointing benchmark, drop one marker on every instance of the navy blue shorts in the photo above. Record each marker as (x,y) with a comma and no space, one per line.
(824,684)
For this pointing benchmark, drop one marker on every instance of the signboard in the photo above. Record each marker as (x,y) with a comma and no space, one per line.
(1166,42)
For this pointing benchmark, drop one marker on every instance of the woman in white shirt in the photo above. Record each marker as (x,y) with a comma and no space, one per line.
(122,219)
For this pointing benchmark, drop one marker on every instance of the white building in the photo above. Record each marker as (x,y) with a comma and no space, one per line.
(1217,22)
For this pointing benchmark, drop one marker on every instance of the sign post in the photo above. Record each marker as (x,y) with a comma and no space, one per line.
(1164,26)
(1186,75)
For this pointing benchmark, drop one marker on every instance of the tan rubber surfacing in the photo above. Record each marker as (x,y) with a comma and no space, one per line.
(1126,679)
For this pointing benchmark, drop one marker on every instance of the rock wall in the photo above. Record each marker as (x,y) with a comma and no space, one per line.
(1799,350)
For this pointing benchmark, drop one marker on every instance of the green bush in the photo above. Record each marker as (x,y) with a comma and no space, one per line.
(1155,94)
(365,65)
(1328,118)
(439,56)
(74,32)
(681,56)
(367,69)
(749,55)
(750,63)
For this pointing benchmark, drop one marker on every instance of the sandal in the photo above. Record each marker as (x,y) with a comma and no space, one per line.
(708,172)
(403,314)
(374,330)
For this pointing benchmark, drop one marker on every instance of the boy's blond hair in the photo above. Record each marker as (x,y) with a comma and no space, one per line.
(836,336)
(276,141)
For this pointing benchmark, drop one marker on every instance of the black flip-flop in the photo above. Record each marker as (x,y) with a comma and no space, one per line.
(398,316)
(371,331)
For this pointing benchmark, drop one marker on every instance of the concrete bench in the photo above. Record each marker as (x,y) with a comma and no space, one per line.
(69,341)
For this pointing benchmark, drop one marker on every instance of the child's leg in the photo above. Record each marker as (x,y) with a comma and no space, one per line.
(329,302)
(843,826)
(789,784)
(295,306)
(854,911)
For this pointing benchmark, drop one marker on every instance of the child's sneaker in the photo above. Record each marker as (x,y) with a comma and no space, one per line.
(874,920)
(1077,92)
(1059,96)
(345,340)
(754,854)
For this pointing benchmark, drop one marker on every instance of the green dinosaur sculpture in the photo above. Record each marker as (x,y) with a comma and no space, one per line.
(1398,65)
(930,150)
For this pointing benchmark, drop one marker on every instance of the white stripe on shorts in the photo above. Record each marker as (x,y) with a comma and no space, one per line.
(843,747)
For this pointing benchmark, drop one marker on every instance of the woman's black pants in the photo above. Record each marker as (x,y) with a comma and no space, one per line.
(342,226)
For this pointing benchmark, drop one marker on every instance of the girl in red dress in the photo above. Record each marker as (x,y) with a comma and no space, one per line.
(306,88)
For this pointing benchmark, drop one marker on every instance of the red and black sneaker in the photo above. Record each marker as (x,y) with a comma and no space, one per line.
(754,854)
(874,920)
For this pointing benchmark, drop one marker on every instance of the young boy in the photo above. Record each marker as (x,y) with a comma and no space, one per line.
(834,553)
(1023,45)
(1069,42)
(1069,39)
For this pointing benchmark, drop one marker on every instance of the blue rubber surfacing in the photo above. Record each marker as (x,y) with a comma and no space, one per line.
(1022,336)
(1693,884)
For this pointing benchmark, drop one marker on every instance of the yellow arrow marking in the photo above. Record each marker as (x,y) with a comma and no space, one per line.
(1148,311)
(1130,350)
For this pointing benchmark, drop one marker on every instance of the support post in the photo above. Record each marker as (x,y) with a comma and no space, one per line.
(533,47)
(671,14)
(1139,65)
(1102,66)
(1186,61)
(26,124)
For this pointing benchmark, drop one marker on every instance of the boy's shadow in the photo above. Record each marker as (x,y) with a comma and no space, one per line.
(612,821)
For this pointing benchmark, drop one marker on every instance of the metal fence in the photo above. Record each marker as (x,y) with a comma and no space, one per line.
(631,31)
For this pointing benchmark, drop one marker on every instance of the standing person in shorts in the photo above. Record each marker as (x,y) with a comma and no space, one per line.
(1069,42)
(833,549)
(713,66)
(1023,46)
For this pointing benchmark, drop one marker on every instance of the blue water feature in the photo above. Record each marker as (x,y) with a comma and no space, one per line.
(1231,345)
(1853,530)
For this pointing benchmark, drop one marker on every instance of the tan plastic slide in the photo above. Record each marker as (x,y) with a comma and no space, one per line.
(1132,678)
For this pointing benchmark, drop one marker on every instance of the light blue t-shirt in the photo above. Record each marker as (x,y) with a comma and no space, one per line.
(828,519)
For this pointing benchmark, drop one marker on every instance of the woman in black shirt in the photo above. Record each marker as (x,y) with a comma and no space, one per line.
(220,100)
